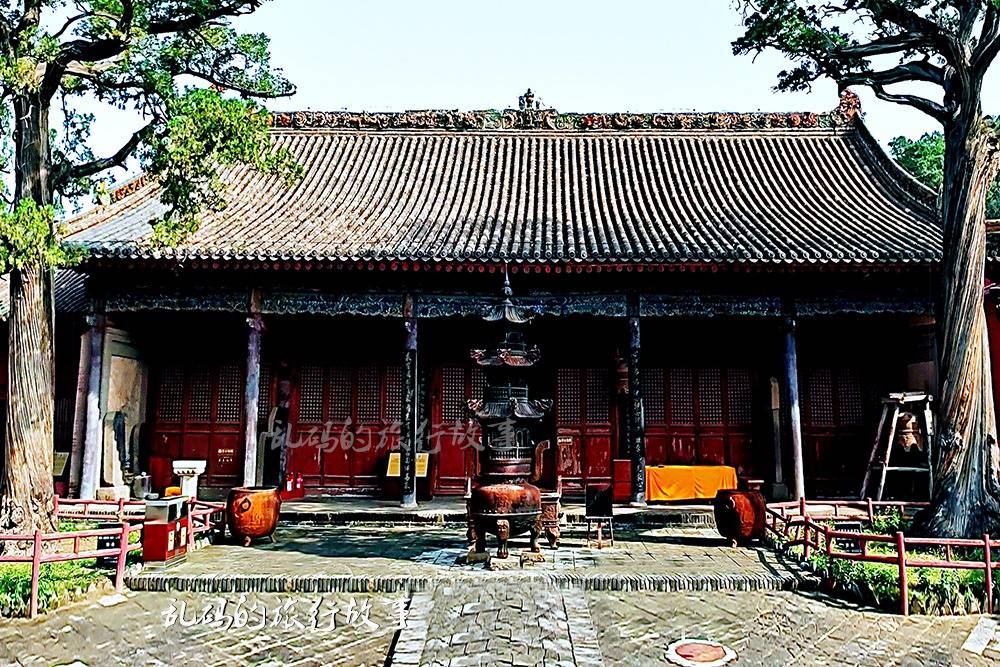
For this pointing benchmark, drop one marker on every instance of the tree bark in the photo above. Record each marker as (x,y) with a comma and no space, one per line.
(966,500)
(26,493)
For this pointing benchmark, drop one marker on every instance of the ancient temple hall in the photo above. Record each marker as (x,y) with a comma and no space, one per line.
(717,289)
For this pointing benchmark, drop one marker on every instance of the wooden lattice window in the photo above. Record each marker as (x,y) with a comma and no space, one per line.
(478,382)
(170,404)
(653,399)
(393,393)
(681,396)
(819,398)
(710,396)
(598,408)
(369,397)
(739,392)
(230,397)
(453,403)
(311,394)
(199,395)
(264,394)
(568,398)
(340,389)
(850,398)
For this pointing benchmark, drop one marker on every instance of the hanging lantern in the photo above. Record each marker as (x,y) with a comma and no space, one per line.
(908,432)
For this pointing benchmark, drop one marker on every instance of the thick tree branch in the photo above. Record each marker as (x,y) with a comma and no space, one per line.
(208,77)
(193,21)
(929,107)
(988,45)
(86,169)
(886,45)
(909,21)
(918,70)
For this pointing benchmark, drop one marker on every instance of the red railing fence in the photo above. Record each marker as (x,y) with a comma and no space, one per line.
(202,517)
(793,523)
(40,555)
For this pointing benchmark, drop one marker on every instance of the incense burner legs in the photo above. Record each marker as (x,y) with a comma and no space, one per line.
(505,510)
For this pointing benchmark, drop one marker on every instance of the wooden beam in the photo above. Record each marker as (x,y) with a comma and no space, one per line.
(252,476)
(794,412)
(90,475)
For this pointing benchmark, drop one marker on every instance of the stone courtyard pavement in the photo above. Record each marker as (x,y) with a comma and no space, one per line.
(391,558)
(497,623)
(337,595)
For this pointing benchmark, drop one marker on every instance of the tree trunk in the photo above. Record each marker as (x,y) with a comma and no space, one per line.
(966,499)
(26,484)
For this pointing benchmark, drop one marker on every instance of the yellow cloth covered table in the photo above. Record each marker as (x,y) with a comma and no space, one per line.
(687,482)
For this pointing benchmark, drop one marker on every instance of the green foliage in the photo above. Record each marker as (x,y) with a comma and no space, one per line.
(890,522)
(29,234)
(923,158)
(207,132)
(931,590)
(57,582)
(172,63)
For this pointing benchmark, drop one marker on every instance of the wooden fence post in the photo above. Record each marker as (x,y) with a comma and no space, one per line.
(871,511)
(122,553)
(805,539)
(36,566)
(988,557)
(904,588)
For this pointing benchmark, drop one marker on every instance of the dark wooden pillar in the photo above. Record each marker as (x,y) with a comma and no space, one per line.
(794,412)
(637,421)
(409,431)
(252,474)
(90,471)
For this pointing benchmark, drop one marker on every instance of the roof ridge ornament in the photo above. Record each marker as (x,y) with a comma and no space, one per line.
(849,108)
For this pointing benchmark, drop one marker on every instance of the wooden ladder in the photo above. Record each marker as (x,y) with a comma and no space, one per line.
(892,406)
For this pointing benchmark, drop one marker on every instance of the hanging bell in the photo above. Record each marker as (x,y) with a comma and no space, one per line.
(908,432)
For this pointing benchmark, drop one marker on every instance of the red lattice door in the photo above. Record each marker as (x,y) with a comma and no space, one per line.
(198,414)
(453,436)
(345,421)
(583,423)
(834,440)
(699,416)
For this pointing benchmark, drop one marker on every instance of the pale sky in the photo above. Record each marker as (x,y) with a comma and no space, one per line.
(630,55)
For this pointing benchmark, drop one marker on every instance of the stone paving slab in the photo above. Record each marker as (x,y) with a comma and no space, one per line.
(395,558)
(777,628)
(134,632)
(487,624)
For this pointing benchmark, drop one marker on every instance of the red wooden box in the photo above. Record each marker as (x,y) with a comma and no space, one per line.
(621,475)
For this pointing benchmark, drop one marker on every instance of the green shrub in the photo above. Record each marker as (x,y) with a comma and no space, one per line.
(57,583)
(931,590)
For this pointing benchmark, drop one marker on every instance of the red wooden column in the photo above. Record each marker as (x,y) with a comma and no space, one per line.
(251,474)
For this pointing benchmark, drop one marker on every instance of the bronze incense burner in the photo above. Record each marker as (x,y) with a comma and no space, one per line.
(503,501)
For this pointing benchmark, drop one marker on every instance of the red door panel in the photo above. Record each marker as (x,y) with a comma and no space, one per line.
(699,416)
(198,414)
(583,412)
(453,436)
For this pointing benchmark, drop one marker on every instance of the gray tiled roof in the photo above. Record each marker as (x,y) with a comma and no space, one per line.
(669,191)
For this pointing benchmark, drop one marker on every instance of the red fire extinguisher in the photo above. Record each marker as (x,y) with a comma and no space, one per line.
(289,482)
(298,485)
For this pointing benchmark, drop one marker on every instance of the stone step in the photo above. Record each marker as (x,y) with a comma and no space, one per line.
(344,513)
(596,581)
